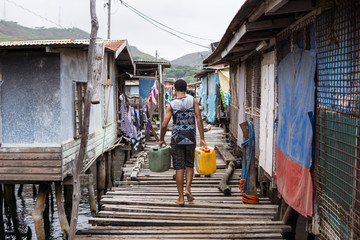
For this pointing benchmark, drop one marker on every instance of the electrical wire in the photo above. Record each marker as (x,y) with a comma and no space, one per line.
(154,22)
(46,19)
(189,35)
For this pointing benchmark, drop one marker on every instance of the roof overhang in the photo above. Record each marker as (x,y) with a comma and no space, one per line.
(255,26)
(149,69)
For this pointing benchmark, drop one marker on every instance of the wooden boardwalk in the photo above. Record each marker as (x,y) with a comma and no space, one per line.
(144,208)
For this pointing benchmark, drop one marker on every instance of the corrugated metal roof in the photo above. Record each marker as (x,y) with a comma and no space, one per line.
(109,44)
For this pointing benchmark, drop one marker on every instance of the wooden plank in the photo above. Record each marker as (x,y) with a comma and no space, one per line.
(30,149)
(193,204)
(156,222)
(28,156)
(193,236)
(160,229)
(224,153)
(27,170)
(30,177)
(30,163)
(185,209)
(181,216)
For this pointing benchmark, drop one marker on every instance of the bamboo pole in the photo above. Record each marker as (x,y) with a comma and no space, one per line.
(38,211)
(86,120)
(64,224)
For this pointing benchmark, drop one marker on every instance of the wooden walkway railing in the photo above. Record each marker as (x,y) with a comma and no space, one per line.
(145,209)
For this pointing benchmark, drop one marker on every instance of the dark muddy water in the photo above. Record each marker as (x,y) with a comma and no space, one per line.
(25,204)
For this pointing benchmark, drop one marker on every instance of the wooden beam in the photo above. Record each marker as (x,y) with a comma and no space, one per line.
(293,7)
(257,13)
(237,36)
(269,24)
(273,5)
(244,47)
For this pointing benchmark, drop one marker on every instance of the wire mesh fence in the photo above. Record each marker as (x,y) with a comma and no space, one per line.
(337,165)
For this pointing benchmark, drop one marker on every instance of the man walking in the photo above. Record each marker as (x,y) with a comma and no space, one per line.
(184,109)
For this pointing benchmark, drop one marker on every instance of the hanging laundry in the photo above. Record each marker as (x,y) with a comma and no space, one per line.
(126,127)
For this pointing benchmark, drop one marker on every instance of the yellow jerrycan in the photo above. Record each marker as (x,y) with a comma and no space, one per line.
(205,160)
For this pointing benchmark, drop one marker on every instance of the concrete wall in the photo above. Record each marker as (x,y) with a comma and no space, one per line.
(30,98)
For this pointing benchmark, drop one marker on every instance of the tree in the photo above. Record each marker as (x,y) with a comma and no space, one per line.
(85,129)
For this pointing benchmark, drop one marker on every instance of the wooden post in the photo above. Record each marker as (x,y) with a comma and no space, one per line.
(223,186)
(20,190)
(290,218)
(100,166)
(107,171)
(68,191)
(161,95)
(38,211)
(46,214)
(34,191)
(91,75)
(64,224)
(10,202)
(92,201)
(2,227)
(112,172)
(252,172)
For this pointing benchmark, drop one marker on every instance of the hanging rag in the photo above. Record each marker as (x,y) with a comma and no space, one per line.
(244,181)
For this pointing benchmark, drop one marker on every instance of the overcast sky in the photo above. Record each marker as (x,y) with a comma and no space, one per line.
(202,18)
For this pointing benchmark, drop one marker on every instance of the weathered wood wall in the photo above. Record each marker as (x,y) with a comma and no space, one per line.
(30,164)
(98,141)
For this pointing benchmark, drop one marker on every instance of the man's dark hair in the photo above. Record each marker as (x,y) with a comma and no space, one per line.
(180,85)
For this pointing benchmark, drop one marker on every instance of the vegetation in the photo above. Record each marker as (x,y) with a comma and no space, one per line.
(12,31)
(192,59)
(185,72)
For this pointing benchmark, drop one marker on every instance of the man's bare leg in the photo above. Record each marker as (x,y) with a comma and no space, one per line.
(180,186)
(189,177)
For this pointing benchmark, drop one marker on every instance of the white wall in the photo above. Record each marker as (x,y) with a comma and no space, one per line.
(267,112)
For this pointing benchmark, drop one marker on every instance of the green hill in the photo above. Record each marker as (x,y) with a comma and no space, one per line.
(12,31)
(192,59)
(139,55)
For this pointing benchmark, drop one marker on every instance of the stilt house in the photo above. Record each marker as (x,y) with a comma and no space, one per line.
(294,73)
(42,92)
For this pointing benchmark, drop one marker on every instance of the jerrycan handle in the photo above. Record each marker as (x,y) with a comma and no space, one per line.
(205,149)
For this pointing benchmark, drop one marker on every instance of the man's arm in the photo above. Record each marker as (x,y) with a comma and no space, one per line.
(199,123)
(164,125)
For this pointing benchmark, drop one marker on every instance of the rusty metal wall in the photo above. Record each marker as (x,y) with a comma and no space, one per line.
(337,164)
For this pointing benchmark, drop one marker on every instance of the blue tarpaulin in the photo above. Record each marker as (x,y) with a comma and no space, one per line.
(145,86)
(294,136)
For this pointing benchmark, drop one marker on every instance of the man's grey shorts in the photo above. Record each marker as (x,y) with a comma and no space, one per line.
(183,156)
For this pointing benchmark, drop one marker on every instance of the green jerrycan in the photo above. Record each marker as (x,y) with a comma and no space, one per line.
(159,158)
